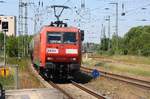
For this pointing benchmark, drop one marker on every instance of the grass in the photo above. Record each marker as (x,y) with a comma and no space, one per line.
(140,65)
(1,59)
(26,78)
(7,82)
(1,54)
(22,63)
(128,69)
(133,59)
(88,62)
(128,58)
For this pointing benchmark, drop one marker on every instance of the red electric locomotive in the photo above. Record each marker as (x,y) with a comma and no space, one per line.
(56,50)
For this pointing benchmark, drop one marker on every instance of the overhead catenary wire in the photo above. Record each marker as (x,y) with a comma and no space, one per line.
(137,8)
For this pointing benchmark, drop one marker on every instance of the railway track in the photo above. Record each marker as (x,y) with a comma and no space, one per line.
(68,90)
(60,89)
(88,91)
(50,84)
(130,80)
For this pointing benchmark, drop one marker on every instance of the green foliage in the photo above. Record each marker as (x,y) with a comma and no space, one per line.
(22,62)
(12,45)
(7,81)
(104,44)
(135,42)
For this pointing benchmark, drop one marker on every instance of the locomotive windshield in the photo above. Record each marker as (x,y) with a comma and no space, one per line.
(61,37)
(54,37)
(69,37)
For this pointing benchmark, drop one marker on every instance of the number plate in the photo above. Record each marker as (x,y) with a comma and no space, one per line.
(52,50)
(71,51)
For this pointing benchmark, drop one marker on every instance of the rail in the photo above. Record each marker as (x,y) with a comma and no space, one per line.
(61,90)
(133,81)
(88,91)
(77,85)
(48,84)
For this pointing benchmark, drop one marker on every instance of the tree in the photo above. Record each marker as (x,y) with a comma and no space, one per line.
(12,46)
(104,44)
(137,41)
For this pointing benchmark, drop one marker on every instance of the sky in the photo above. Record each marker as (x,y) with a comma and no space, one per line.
(89,18)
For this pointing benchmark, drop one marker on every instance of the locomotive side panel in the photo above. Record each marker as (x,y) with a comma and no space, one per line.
(80,44)
(36,52)
(43,48)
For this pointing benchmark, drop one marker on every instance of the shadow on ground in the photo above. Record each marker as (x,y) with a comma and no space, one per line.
(81,77)
(78,77)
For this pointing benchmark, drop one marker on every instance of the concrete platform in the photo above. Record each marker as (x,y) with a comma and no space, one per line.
(48,93)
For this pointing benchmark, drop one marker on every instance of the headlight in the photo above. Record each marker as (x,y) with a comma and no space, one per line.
(74,59)
(49,58)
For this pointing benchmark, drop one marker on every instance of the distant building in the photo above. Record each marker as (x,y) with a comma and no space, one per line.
(8,23)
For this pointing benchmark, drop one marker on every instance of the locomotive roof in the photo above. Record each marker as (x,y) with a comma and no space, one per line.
(49,28)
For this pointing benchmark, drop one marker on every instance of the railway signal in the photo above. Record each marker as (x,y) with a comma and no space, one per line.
(5,26)
(5,29)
